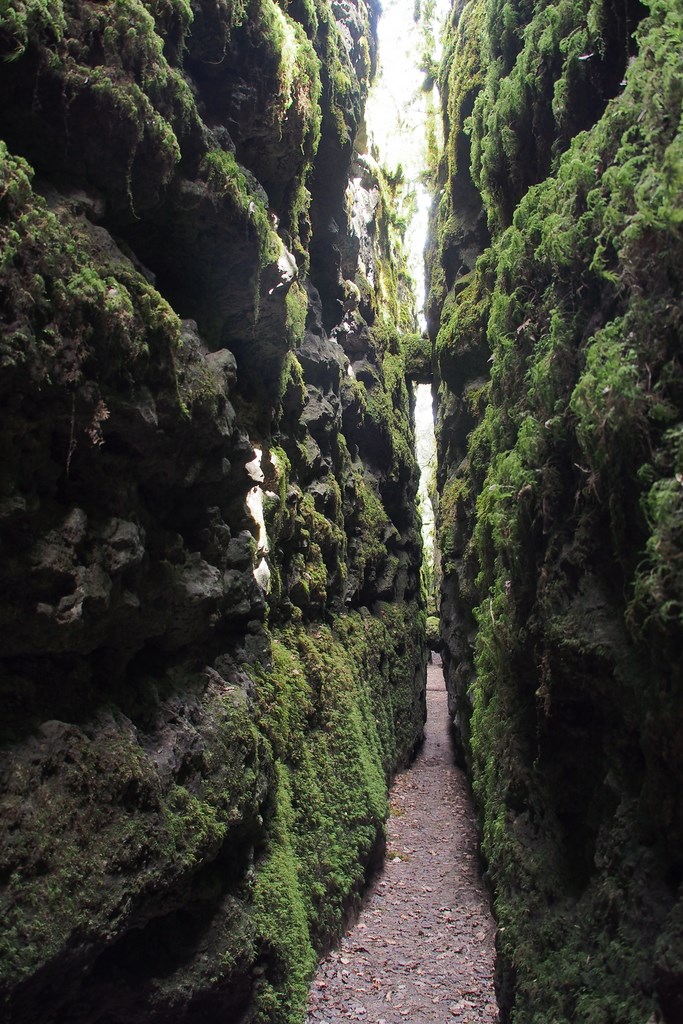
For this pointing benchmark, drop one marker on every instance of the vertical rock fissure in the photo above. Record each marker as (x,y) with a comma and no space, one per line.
(423,943)
(404,129)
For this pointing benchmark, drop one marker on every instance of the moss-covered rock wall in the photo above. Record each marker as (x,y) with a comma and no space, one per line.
(555,314)
(212,649)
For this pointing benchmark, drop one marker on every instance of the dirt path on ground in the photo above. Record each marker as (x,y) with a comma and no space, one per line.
(422,948)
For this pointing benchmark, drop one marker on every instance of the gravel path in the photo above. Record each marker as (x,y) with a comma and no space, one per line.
(422,948)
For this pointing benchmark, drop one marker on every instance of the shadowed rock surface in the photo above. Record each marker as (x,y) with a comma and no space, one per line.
(212,650)
(560,390)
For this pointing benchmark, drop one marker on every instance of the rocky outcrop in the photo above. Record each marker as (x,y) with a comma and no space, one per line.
(212,631)
(558,355)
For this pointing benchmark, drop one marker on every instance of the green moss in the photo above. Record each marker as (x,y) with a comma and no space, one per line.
(298,86)
(227,180)
(298,222)
(417,354)
(69,306)
(95,836)
(394,296)
(564,520)
(433,633)
(357,391)
(371,522)
(32,20)
(175,19)
(282,804)
(545,76)
(341,715)
(461,74)
(281,921)
(453,501)
(321,565)
(291,385)
(464,319)
(613,403)
(113,64)
(296,302)
(386,410)
(658,584)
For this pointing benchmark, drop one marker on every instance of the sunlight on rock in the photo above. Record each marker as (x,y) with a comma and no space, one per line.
(253,468)
(254,500)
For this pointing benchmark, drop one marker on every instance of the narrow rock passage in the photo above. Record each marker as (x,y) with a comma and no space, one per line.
(423,947)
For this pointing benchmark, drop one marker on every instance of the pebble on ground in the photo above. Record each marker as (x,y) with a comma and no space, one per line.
(422,949)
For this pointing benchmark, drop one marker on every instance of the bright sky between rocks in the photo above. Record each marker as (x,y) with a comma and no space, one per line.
(399,108)
(397,117)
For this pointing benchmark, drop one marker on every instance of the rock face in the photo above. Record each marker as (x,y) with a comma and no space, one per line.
(212,631)
(561,497)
